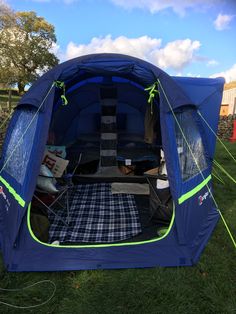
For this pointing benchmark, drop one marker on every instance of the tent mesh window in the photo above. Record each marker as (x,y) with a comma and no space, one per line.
(20,144)
(191,152)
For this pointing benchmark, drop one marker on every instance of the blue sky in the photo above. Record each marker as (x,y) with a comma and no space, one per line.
(183,37)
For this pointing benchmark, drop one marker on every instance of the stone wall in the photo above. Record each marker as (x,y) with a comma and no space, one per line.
(225,128)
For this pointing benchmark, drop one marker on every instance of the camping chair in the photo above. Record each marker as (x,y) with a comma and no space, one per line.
(160,199)
(63,189)
(56,199)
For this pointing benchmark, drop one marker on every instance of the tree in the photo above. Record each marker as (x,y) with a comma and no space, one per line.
(26,43)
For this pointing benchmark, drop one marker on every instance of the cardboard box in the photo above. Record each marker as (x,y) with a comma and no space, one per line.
(54,163)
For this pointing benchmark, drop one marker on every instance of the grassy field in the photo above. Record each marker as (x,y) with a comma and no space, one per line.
(5,98)
(4,104)
(208,287)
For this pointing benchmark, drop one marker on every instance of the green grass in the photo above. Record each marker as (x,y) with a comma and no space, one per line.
(208,287)
(4,98)
(4,102)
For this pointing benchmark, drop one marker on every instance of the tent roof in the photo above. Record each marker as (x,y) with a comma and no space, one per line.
(81,68)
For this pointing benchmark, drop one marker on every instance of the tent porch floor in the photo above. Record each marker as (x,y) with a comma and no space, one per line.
(130,214)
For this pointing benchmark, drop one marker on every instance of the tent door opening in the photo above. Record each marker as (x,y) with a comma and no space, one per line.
(112,140)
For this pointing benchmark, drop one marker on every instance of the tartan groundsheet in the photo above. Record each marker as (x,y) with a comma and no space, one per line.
(95,215)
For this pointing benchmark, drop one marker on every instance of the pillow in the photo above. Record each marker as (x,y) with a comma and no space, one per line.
(45,180)
(57,150)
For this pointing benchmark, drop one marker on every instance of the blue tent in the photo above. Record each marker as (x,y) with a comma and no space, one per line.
(134,85)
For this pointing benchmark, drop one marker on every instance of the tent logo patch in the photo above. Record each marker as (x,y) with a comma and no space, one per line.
(2,193)
(5,197)
(202,198)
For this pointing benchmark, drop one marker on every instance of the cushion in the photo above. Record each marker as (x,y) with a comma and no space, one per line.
(45,180)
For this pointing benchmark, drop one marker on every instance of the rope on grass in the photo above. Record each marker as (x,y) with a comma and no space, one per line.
(227,227)
(216,175)
(224,171)
(27,287)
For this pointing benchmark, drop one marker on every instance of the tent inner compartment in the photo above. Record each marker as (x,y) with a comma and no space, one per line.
(111,134)
(109,126)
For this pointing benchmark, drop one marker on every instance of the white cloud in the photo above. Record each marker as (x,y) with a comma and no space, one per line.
(229,75)
(56,49)
(4,4)
(140,47)
(222,21)
(193,75)
(178,6)
(212,63)
(175,55)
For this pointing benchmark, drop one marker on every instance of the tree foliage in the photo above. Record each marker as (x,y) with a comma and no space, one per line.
(26,43)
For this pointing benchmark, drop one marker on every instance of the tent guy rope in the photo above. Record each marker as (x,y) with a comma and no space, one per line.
(228,151)
(27,287)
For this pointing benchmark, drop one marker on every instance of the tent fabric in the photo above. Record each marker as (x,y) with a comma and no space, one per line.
(207,94)
(194,216)
(101,65)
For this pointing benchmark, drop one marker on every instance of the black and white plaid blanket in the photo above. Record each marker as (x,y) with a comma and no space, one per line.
(95,215)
